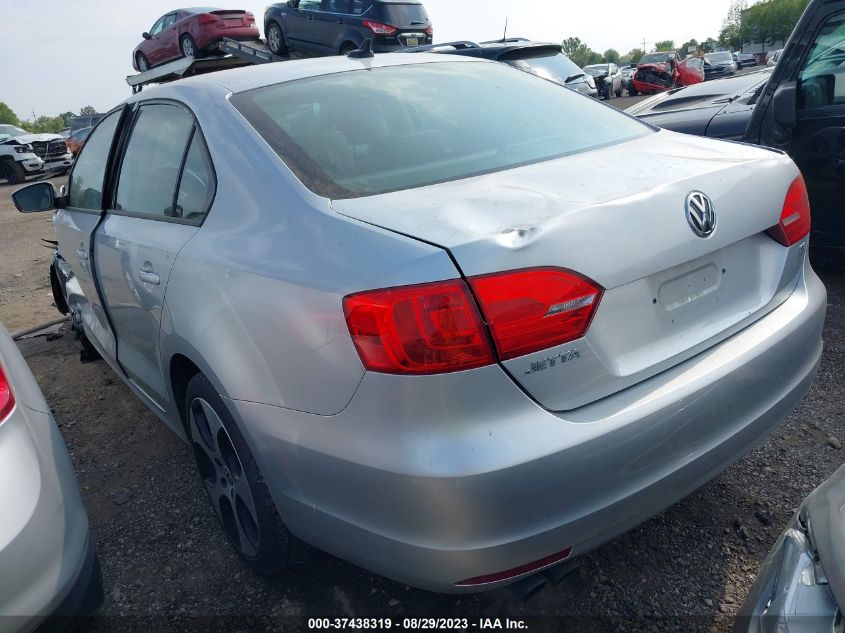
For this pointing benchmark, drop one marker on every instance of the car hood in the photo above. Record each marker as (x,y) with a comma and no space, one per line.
(34,138)
(824,514)
(660,67)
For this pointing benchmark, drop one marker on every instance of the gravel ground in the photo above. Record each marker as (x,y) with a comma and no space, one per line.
(167,566)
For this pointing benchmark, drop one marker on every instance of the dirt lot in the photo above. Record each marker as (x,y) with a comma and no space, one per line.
(167,566)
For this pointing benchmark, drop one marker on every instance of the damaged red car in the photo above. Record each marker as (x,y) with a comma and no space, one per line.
(664,70)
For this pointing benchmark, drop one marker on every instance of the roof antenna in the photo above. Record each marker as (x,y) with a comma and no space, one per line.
(505,35)
(365,52)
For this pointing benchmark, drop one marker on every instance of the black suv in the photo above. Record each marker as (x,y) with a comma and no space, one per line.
(539,58)
(340,26)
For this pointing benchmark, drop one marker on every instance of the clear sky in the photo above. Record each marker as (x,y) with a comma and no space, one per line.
(61,55)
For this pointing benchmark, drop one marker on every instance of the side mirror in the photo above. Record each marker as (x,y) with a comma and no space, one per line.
(785,104)
(146,35)
(39,196)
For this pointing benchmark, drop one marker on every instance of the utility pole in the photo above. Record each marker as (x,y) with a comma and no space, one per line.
(644,50)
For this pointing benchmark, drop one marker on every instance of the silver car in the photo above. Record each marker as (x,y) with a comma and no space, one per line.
(401,311)
(50,573)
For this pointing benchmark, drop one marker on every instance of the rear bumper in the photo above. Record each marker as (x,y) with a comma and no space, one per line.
(433,480)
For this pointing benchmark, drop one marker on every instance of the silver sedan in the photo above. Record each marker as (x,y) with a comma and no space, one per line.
(404,308)
(50,573)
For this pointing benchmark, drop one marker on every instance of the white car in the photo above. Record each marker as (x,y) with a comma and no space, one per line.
(773,57)
(23,154)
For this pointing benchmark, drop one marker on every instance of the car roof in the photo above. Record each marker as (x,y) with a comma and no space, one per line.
(237,80)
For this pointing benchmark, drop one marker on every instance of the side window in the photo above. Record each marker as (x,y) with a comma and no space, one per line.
(169,20)
(89,172)
(196,187)
(337,6)
(360,7)
(309,5)
(823,74)
(150,169)
(158,26)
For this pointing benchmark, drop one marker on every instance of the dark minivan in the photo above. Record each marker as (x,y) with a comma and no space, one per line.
(340,26)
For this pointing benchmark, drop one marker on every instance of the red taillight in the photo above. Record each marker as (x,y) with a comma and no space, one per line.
(429,30)
(7,399)
(425,329)
(380,29)
(795,218)
(534,309)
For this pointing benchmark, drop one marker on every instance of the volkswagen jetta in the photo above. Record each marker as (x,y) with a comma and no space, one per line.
(404,309)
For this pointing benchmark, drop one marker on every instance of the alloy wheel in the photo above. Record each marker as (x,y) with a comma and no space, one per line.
(224,478)
(187,47)
(274,39)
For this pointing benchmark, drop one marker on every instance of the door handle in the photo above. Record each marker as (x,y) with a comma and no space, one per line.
(150,278)
(83,255)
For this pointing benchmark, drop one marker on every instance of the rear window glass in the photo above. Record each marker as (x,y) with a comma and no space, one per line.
(368,132)
(402,15)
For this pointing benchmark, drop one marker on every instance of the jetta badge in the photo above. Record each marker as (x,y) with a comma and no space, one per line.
(701,214)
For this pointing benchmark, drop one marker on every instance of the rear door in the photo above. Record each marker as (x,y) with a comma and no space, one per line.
(75,225)
(301,28)
(802,112)
(164,187)
(170,38)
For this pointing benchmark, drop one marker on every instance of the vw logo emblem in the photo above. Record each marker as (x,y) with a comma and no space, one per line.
(701,214)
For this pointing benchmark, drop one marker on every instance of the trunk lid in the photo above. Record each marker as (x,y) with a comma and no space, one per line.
(617,215)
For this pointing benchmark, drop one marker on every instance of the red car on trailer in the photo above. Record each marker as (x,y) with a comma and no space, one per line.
(191,33)
(664,70)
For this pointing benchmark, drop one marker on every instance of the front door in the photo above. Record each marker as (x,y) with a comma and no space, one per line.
(75,225)
(147,226)
(803,113)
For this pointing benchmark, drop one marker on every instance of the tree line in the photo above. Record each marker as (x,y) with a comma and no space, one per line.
(767,22)
(42,124)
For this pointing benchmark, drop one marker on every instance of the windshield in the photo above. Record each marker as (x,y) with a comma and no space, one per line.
(719,57)
(8,131)
(552,65)
(655,58)
(595,71)
(367,132)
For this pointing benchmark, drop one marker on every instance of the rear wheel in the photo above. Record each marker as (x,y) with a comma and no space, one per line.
(141,62)
(231,478)
(632,91)
(189,47)
(276,40)
(347,47)
(12,172)
(619,92)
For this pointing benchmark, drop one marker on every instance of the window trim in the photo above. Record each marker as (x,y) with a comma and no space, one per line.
(834,109)
(114,150)
(115,176)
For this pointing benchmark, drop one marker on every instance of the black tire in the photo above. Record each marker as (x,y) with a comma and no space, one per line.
(233,482)
(619,93)
(12,172)
(142,62)
(276,39)
(347,47)
(632,92)
(188,47)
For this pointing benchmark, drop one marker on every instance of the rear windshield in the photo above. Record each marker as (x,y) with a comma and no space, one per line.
(402,15)
(551,64)
(367,132)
